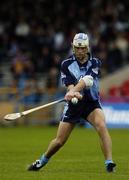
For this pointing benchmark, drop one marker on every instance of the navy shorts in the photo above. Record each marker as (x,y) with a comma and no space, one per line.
(73,113)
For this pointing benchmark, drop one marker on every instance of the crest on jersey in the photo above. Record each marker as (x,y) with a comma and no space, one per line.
(95,70)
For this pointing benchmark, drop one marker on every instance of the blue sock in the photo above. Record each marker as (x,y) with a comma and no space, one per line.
(108,161)
(44,160)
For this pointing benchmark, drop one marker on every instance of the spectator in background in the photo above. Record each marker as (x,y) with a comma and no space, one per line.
(114,58)
(32,94)
(44,62)
(21,67)
(1,77)
(122,43)
(22,28)
(52,81)
(43,31)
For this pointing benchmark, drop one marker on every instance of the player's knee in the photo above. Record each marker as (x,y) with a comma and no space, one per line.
(100,126)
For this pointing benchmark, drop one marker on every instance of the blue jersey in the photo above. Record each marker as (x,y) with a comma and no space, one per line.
(72,70)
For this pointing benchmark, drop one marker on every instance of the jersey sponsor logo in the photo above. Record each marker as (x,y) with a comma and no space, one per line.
(65,116)
(63,75)
(95,70)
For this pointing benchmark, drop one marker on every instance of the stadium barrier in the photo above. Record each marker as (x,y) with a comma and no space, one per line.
(117,114)
(116,110)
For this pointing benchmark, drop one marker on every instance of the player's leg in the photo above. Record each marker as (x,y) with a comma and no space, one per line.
(63,133)
(97,119)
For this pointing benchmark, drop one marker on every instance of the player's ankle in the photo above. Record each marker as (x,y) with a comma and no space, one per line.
(44,159)
(107,161)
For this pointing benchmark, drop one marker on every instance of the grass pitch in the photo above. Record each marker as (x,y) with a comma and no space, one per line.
(79,159)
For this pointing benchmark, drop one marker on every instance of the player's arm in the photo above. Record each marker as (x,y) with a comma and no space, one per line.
(74,91)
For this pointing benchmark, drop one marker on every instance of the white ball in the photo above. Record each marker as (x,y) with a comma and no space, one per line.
(74,100)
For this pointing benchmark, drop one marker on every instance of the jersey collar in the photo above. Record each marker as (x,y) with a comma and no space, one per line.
(85,63)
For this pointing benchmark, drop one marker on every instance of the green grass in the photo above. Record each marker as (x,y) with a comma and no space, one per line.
(79,159)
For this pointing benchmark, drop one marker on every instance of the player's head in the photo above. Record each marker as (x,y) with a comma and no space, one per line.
(80,45)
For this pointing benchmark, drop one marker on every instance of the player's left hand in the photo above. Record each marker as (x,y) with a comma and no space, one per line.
(78,95)
(70,94)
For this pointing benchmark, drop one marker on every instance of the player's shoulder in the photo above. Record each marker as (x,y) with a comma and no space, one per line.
(96,61)
(68,61)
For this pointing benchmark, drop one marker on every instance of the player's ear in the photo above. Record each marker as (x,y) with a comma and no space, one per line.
(72,47)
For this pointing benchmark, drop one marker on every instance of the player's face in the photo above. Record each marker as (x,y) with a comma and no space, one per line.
(81,53)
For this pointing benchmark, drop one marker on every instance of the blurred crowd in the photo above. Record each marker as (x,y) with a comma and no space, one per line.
(35,36)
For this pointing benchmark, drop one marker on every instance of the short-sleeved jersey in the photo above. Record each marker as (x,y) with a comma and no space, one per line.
(72,71)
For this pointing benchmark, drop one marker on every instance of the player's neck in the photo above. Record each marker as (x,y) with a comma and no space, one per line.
(82,61)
